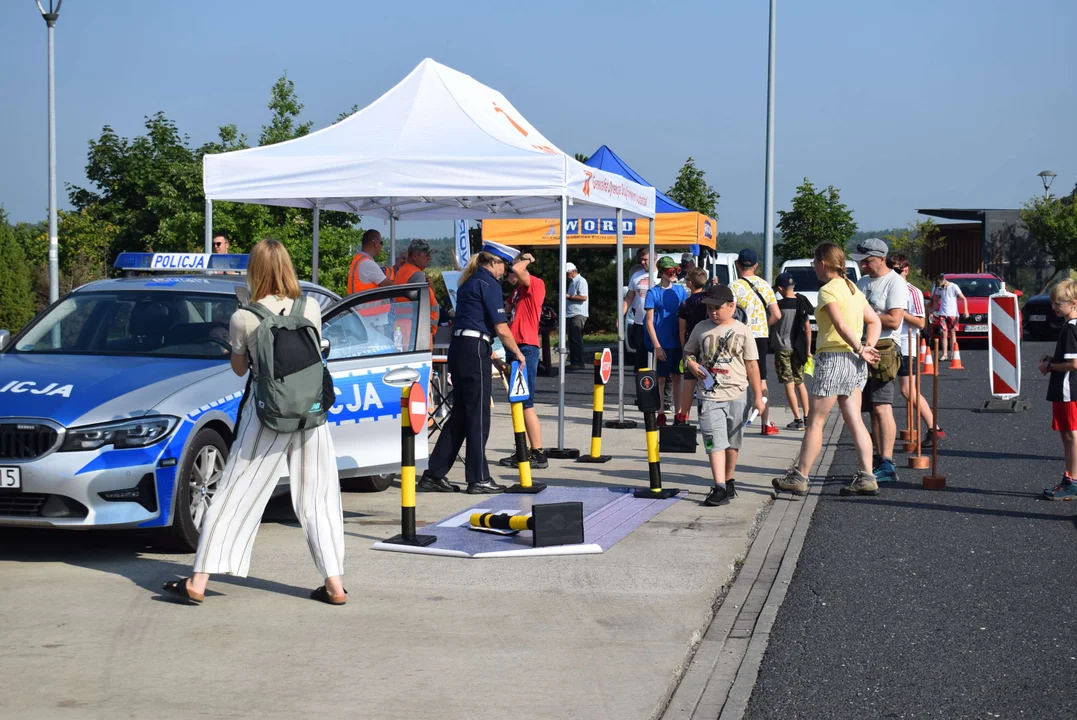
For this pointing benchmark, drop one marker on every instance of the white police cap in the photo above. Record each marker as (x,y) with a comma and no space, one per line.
(505,252)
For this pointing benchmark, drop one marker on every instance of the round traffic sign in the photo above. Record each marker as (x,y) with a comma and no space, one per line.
(646,382)
(605,367)
(417,407)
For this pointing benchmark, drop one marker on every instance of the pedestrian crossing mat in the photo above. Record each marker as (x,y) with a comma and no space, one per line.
(609,516)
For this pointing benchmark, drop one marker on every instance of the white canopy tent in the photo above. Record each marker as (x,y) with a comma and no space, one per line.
(439,145)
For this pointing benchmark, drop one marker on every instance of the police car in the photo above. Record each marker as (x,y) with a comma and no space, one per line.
(117,403)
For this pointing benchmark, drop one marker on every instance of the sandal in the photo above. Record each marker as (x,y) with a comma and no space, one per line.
(322,595)
(178,591)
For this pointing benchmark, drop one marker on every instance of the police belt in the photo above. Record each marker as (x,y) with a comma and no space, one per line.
(473,334)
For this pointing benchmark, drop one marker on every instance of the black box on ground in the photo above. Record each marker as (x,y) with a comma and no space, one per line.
(677,439)
(557,524)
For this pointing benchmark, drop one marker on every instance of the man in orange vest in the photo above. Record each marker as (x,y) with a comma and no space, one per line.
(412,271)
(365,273)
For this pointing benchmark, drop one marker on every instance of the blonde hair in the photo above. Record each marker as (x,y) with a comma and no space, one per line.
(270,271)
(483,258)
(1064,291)
(833,258)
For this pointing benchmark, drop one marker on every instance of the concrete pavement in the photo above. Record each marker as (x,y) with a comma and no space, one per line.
(83,632)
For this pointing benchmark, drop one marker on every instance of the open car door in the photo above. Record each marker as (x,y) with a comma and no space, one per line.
(373,354)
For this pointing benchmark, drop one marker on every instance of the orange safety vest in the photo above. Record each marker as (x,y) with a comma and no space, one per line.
(355,285)
(403,275)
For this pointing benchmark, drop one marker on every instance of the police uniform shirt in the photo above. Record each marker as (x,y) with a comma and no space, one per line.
(479,303)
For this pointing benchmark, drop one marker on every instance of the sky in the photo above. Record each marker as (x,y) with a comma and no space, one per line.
(902,104)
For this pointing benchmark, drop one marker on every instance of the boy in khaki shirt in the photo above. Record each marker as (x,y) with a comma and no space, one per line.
(722,353)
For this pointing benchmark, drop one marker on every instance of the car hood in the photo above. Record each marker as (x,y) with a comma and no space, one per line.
(81,389)
(1039,300)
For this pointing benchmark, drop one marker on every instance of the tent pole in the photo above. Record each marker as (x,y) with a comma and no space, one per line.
(314,257)
(561,451)
(653,272)
(620,320)
(209,226)
(392,235)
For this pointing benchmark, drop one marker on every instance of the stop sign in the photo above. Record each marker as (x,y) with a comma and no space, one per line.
(417,407)
(605,366)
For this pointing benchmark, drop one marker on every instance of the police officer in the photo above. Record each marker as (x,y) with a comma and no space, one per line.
(480,315)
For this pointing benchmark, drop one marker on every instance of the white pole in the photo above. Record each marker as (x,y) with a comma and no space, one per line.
(54,243)
(209,226)
(314,256)
(654,281)
(392,234)
(768,210)
(561,326)
(620,320)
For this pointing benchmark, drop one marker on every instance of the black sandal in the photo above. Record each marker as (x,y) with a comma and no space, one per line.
(322,595)
(177,591)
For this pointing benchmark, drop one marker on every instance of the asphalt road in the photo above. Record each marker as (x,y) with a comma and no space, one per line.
(954,604)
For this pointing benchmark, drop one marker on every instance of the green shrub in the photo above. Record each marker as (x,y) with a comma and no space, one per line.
(16,293)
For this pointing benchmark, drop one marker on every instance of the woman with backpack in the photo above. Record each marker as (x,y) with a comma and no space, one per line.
(260,452)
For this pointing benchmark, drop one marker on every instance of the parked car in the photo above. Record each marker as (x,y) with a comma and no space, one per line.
(807,284)
(117,403)
(977,288)
(1041,321)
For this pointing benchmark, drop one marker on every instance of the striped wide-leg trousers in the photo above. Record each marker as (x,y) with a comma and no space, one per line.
(255,465)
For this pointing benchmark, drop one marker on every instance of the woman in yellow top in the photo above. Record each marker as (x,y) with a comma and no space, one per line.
(841,370)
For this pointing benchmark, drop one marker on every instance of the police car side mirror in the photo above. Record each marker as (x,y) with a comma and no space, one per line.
(325,348)
(5,336)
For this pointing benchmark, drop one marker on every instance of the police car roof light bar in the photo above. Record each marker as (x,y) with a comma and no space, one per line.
(181,262)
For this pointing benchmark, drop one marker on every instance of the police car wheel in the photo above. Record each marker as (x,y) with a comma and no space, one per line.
(368,483)
(196,484)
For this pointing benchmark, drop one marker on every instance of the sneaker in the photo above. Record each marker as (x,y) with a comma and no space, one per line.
(792,482)
(509,461)
(934,435)
(770,429)
(863,484)
(1065,490)
(795,425)
(680,420)
(730,487)
(660,421)
(886,472)
(538,460)
(718,495)
(876,461)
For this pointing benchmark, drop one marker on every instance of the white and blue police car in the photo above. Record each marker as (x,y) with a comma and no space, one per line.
(117,402)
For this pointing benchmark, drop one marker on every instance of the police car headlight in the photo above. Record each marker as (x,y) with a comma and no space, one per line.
(126,434)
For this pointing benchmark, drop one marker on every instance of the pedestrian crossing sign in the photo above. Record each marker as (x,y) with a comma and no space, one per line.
(518,390)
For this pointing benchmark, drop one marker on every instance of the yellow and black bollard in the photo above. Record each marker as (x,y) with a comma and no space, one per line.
(603,368)
(552,523)
(649,401)
(503,521)
(412,418)
(518,392)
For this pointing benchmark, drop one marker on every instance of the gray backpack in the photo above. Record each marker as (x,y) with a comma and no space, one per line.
(292,387)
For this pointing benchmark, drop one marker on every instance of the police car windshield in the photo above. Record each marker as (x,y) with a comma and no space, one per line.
(142,323)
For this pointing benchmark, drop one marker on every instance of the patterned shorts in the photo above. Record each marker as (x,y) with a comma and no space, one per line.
(838,374)
(787,368)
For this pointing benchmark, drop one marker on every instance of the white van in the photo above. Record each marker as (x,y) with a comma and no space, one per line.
(807,284)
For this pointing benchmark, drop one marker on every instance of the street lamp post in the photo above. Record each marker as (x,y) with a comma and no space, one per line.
(768,201)
(1047,177)
(50,16)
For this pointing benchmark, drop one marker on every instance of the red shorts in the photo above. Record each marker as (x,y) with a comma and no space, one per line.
(1064,416)
(946,322)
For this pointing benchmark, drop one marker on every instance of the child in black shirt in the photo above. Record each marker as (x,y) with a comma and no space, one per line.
(689,314)
(1062,387)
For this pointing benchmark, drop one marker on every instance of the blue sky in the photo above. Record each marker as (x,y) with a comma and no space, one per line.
(900,103)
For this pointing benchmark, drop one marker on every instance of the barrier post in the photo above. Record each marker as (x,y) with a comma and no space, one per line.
(934,481)
(917,461)
(649,401)
(412,418)
(603,370)
(518,392)
(1004,354)
(906,434)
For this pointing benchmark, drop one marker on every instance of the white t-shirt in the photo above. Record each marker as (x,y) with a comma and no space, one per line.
(244,322)
(947,299)
(914,307)
(639,284)
(885,293)
(371,272)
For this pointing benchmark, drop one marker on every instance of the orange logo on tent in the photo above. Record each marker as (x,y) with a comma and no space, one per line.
(587,183)
(507,117)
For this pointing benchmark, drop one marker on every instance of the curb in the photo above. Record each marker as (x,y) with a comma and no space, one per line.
(723,669)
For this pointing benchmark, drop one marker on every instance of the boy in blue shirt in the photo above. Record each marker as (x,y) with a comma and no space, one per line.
(661,326)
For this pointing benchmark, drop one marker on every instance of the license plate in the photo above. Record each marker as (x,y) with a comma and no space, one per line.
(976,328)
(1037,318)
(10,478)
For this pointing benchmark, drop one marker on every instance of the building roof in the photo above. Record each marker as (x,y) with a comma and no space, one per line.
(968,214)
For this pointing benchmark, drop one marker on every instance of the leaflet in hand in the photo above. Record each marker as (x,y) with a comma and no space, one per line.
(708,382)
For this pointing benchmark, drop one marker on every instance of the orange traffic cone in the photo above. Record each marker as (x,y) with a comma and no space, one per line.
(955,361)
(928,368)
(923,349)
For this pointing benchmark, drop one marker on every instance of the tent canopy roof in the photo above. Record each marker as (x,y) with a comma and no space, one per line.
(438,145)
(606,159)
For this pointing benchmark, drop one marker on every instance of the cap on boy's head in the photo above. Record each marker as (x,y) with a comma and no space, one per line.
(666,263)
(785,280)
(687,258)
(418,245)
(873,247)
(718,295)
(940,278)
(506,253)
(570,267)
(747,258)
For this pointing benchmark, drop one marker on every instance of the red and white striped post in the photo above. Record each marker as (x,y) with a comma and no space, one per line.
(1004,354)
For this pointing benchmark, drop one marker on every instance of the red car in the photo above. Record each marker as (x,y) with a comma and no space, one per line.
(977,288)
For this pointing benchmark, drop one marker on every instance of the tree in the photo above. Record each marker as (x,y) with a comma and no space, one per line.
(16,296)
(1052,222)
(916,241)
(580,157)
(816,217)
(285,108)
(691,190)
